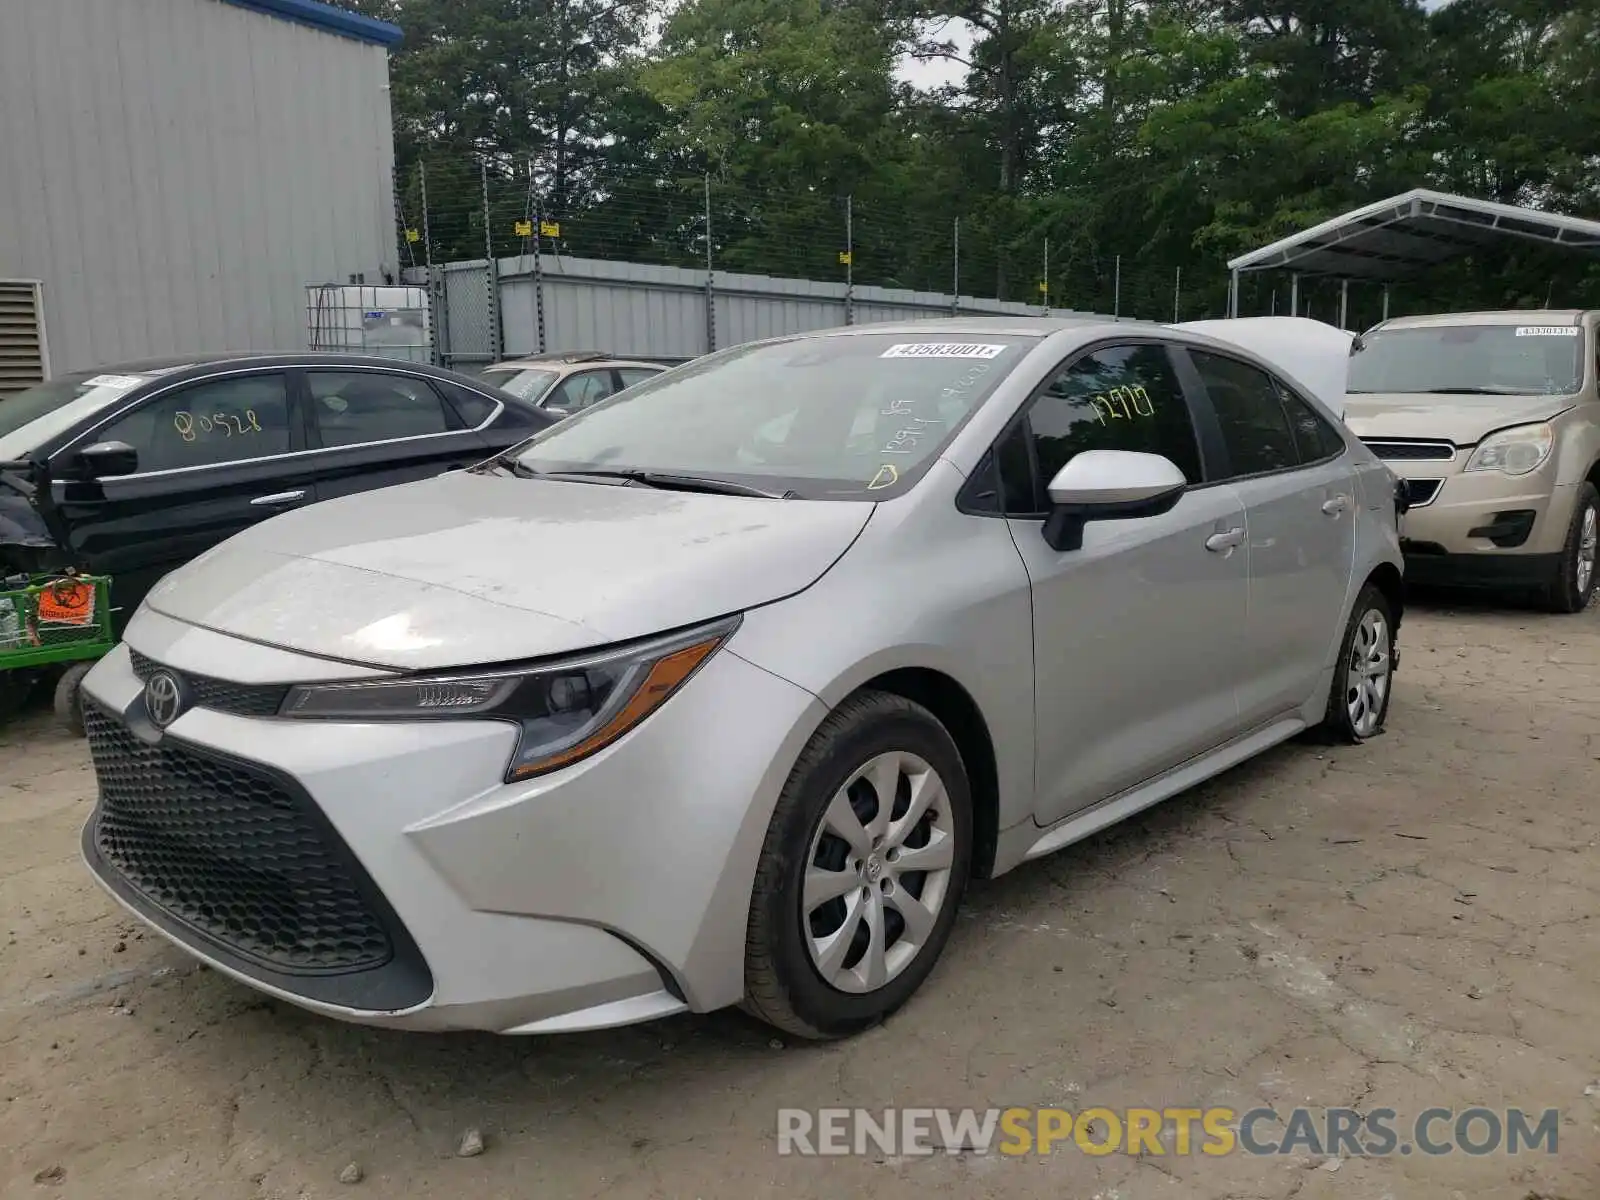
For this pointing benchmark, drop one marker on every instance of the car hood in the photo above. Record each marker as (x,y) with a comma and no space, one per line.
(474,568)
(1464,420)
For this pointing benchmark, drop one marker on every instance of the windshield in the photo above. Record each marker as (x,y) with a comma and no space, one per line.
(1496,360)
(526,383)
(856,416)
(31,418)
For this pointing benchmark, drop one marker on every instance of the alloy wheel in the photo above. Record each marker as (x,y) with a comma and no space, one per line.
(878,871)
(1367,673)
(1588,541)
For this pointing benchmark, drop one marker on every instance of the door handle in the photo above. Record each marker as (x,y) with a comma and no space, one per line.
(278,499)
(1226,541)
(1336,505)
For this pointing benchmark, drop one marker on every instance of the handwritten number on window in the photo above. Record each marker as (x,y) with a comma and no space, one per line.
(1122,404)
(190,426)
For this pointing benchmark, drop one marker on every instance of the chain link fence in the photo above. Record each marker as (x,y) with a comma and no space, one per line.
(512,263)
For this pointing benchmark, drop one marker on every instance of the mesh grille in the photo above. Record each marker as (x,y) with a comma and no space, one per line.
(231,852)
(219,695)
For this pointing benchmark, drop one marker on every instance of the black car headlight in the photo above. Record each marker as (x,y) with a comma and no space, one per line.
(566,710)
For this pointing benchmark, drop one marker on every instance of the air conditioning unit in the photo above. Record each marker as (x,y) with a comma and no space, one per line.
(390,321)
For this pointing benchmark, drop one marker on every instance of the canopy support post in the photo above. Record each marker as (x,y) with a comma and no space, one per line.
(1386,302)
(1344,303)
(1233,293)
(1294,295)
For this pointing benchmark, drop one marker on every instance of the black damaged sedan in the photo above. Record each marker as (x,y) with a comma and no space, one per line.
(132,471)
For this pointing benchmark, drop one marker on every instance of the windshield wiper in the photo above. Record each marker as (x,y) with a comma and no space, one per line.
(667,481)
(1477,391)
(508,462)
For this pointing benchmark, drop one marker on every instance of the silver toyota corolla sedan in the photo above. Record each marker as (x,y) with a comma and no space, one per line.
(723,689)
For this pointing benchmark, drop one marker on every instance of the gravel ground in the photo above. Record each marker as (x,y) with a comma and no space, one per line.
(1405,924)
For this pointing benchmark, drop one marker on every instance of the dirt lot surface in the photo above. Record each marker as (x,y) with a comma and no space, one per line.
(1406,924)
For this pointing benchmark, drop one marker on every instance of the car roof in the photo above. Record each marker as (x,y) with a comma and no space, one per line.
(560,360)
(1507,316)
(1014,326)
(178,366)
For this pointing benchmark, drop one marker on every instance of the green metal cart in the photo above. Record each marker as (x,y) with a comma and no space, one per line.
(49,622)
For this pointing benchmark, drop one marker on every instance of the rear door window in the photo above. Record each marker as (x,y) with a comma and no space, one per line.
(578,391)
(1255,428)
(1314,438)
(352,408)
(633,375)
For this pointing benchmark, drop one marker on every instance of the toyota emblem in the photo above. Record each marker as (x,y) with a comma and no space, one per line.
(163,698)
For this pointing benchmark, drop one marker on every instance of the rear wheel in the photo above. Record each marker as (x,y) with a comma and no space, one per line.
(864,865)
(1574,581)
(1363,680)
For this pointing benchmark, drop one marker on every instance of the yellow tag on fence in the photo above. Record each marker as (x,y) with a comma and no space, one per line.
(524,228)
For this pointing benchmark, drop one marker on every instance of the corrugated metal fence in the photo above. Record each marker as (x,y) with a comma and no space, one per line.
(530,304)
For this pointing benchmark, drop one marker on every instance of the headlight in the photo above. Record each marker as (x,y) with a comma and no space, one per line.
(565,710)
(1513,451)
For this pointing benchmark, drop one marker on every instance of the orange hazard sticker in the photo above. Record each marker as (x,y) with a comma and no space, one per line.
(67,602)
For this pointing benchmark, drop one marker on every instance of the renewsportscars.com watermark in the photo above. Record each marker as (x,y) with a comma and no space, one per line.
(1179,1132)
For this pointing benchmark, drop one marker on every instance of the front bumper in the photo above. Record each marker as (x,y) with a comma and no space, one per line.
(1486,514)
(613,891)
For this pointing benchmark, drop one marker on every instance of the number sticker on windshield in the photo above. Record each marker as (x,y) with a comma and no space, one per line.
(943,350)
(1547,331)
(113,381)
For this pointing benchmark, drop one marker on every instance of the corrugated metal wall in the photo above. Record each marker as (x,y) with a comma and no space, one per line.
(176,171)
(636,308)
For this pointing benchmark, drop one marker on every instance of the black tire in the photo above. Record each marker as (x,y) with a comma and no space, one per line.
(1337,724)
(15,688)
(782,985)
(1563,595)
(68,698)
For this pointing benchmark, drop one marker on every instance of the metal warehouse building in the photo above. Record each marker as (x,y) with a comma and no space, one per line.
(174,172)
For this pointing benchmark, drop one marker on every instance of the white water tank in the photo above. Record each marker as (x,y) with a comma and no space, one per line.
(388,320)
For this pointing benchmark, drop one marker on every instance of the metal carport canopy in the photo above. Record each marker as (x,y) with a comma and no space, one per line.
(1405,235)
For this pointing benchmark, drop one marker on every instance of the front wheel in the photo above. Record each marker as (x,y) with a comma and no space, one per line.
(863,867)
(69,698)
(1364,677)
(15,688)
(1574,580)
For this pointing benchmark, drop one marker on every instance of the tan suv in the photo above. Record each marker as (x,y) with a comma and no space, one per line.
(1493,422)
(564,382)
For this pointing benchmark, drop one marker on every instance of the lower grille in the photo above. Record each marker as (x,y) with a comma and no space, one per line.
(232,852)
(219,695)
(1420,492)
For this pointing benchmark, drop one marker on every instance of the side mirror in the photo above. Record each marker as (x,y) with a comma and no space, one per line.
(104,460)
(1109,485)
